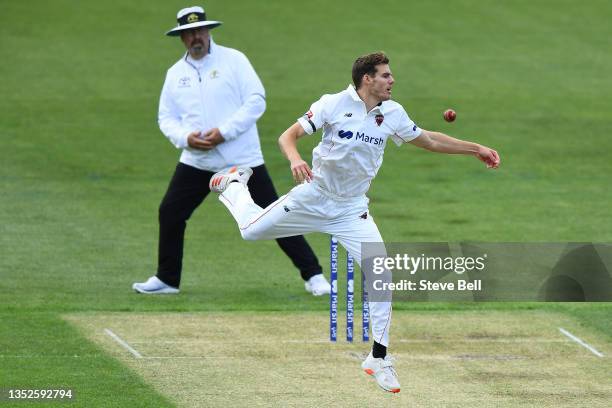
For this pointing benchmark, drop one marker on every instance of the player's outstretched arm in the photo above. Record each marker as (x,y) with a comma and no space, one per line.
(441,143)
(288,145)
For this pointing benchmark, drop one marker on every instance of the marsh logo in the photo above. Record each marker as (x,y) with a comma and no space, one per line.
(369,139)
(345,134)
(192,18)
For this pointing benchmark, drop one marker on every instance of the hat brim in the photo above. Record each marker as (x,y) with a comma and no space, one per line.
(176,31)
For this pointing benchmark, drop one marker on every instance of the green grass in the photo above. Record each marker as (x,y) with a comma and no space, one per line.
(84,165)
(40,350)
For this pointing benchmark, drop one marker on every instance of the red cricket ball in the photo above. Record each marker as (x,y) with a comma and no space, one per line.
(450,115)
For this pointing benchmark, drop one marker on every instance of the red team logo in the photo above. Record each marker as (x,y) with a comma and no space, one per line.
(309,114)
(379,119)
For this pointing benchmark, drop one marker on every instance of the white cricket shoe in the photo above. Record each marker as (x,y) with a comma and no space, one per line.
(382,370)
(153,286)
(318,285)
(219,181)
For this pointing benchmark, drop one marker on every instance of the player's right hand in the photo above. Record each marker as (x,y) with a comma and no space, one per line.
(195,141)
(301,171)
(488,156)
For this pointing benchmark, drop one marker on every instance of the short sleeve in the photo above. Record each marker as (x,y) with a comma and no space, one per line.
(316,117)
(406,130)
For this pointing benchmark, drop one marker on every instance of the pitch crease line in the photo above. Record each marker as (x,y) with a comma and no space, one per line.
(123,343)
(581,342)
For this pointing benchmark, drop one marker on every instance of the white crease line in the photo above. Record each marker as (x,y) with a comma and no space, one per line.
(405,356)
(123,343)
(326,341)
(486,340)
(581,342)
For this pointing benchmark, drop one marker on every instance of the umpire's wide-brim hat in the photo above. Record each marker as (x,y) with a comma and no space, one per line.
(191,17)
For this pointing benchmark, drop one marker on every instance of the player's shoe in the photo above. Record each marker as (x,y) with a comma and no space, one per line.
(382,370)
(318,285)
(153,286)
(219,181)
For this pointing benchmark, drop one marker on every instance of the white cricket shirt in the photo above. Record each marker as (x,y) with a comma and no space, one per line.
(351,150)
(220,90)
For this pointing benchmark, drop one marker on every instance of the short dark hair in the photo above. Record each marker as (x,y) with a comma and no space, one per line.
(366,64)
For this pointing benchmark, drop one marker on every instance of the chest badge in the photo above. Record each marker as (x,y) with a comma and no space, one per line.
(184,82)
(214,74)
(379,119)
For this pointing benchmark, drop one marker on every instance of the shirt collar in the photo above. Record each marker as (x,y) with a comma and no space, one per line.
(353,92)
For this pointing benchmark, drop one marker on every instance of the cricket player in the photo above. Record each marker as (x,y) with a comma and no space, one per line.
(331,198)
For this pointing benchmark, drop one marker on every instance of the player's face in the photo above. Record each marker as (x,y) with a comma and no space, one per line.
(381,83)
(196,41)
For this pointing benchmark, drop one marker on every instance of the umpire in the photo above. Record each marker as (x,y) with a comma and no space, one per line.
(208,107)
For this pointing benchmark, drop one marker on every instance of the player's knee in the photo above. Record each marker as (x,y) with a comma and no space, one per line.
(250,234)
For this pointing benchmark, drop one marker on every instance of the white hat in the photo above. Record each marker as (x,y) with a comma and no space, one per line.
(191,17)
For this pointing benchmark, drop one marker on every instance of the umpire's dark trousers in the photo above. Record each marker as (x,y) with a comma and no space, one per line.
(187,189)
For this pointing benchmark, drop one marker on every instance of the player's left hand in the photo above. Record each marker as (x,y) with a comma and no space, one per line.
(301,171)
(212,138)
(489,157)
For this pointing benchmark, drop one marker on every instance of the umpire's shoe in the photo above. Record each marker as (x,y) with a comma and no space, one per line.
(153,286)
(318,285)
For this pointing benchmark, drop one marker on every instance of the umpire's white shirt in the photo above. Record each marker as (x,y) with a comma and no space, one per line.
(351,151)
(220,90)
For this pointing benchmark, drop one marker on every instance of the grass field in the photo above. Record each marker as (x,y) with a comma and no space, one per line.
(84,167)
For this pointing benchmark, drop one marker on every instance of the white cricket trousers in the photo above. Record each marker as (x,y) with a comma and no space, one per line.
(307,208)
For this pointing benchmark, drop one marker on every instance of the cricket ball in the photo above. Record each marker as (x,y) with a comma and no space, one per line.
(450,115)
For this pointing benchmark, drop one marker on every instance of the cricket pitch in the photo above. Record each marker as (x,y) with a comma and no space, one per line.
(459,359)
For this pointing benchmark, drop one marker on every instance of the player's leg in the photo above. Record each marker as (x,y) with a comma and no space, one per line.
(351,232)
(285,217)
(296,248)
(186,191)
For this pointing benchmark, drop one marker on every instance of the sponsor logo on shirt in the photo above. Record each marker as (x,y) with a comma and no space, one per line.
(362,137)
(184,82)
(345,134)
(348,114)
(414,128)
(214,74)
(309,115)
(368,139)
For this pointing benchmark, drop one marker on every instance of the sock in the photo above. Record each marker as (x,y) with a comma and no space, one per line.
(379,351)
